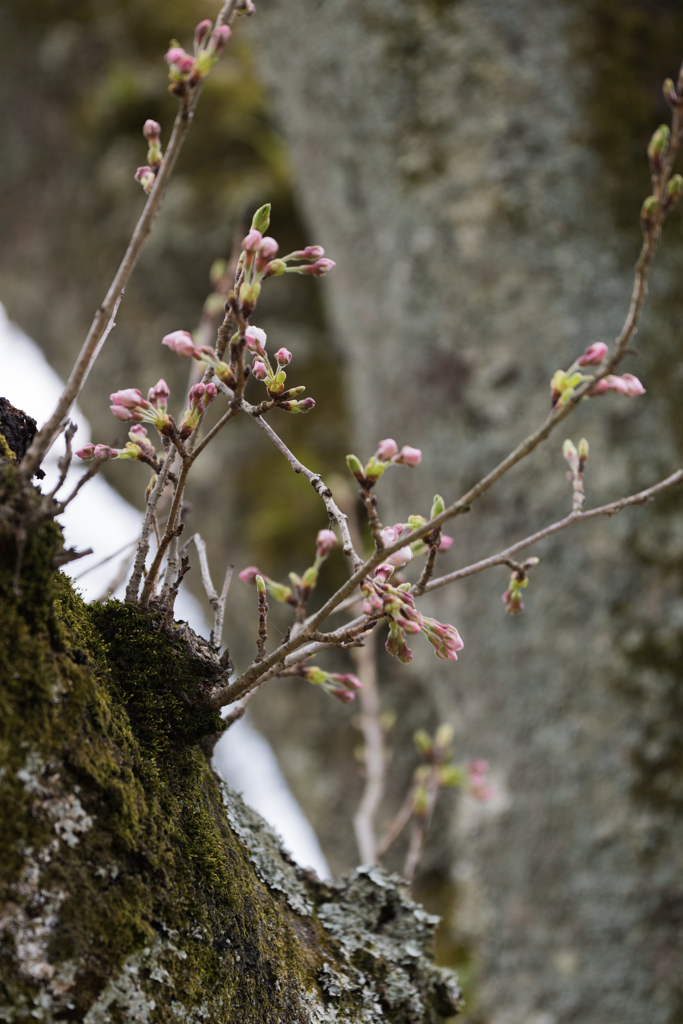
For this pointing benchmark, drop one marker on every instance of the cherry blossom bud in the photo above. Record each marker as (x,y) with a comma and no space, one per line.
(86,452)
(255,340)
(283,356)
(400,557)
(275,268)
(219,38)
(151,130)
(138,433)
(445,542)
(325,541)
(408,456)
(261,219)
(252,240)
(249,574)
(627,384)
(159,394)
(202,30)
(146,177)
(594,354)
(583,450)
(259,369)
(103,452)
(317,269)
(305,405)
(123,413)
(174,55)
(383,572)
(181,343)
(268,248)
(127,397)
(386,449)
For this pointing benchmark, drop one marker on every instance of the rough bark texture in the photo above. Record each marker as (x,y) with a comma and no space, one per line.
(133,886)
(446,155)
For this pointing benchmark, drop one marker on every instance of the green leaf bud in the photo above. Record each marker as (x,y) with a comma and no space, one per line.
(648,212)
(260,584)
(444,735)
(423,742)
(416,521)
(451,776)
(354,464)
(438,506)
(657,149)
(674,191)
(261,219)
(583,449)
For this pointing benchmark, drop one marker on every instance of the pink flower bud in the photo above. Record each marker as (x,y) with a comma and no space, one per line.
(127,397)
(151,130)
(348,679)
(185,64)
(86,452)
(123,413)
(305,405)
(627,384)
(408,456)
(283,356)
(202,30)
(159,394)
(249,574)
(633,385)
(268,248)
(445,543)
(174,55)
(146,177)
(594,354)
(317,269)
(220,38)
(390,534)
(325,541)
(400,557)
(259,369)
(252,240)
(181,343)
(196,394)
(255,339)
(103,452)
(386,449)
(313,252)
(383,572)
(138,433)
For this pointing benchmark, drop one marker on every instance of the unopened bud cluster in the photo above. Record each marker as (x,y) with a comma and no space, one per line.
(565,382)
(387,454)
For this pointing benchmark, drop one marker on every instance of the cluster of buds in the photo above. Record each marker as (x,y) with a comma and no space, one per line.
(182,343)
(301,586)
(199,399)
(341,685)
(258,260)
(387,454)
(129,404)
(137,448)
(512,598)
(398,605)
(274,378)
(442,540)
(576,457)
(147,175)
(565,382)
(187,69)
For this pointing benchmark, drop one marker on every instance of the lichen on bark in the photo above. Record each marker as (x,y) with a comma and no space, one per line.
(135,887)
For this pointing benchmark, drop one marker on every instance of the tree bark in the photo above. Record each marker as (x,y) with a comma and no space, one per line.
(133,885)
(470,167)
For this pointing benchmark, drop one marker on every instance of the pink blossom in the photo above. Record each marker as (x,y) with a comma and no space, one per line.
(181,343)
(220,38)
(252,240)
(408,456)
(283,356)
(317,269)
(325,541)
(146,177)
(259,369)
(627,384)
(202,30)
(123,413)
(390,534)
(400,557)
(386,449)
(151,130)
(138,433)
(174,55)
(383,572)
(159,394)
(127,397)
(445,543)
(594,354)
(185,64)
(268,248)
(255,339)
(249,574)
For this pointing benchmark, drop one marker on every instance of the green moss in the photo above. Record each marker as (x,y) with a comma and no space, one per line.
(129,894)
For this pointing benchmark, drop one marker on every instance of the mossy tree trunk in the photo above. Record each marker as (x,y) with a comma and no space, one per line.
(133,886)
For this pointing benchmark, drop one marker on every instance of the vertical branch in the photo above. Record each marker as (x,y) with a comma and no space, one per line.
(147,524)
(217,631)
(262,619)
(374,752)
(423,817)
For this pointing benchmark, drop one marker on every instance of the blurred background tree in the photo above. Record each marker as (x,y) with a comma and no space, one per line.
(476,170)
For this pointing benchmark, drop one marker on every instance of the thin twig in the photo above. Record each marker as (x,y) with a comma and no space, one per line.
(374,757)
(397,825)
(421,826)
(262,622)
(148,522)
(173,592)
(217,631)
(428,570)
(612,509)
(93,471)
